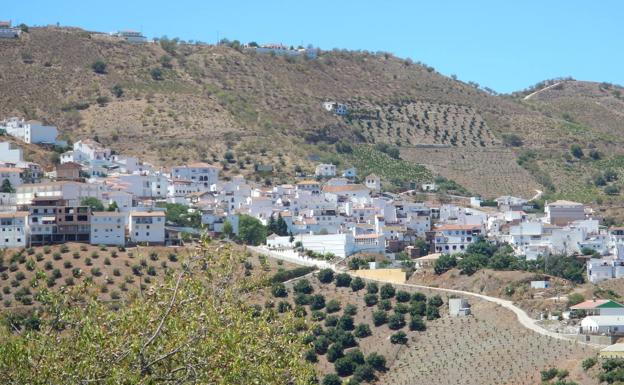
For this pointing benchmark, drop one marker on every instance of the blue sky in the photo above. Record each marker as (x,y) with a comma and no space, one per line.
(505,45)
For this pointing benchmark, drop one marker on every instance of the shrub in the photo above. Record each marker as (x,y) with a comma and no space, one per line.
(279,290)
(575,298)
(173,257)
(432,312)
(344,366)
(387,291)
(399,338)
(370,299)
(321,344)
(317,302)
(402,296)
(88,261)
(346,339)
(283,306)
(436,301)
(156,74)
(39,257)
(76,255)
(67,264)
(303,286)
(318,315)
(418,297)
(117,90)
(576,151)
(57,256)
(332,379)
(350,309)
(380,317)
(115,295)
(99,67)
(310,356)
(589,363)
(48,265)
(46,249)
(153,256)
(69,281)
(372,288)
(343,280)
(95,255)
(335,352)
(396,321)
(64,249)
(363,373)
(417,324)
(286,275)
(107,261)
(549,374)
(385,304)
(356,356)
(302,299)
(331,320)
(444,264)
(76,272)
(332,306)
(376,361)
(345,323)
(151,270)
(362,331)
(96,272)
(20,276)
(357,284)
(326,275)
(30,265)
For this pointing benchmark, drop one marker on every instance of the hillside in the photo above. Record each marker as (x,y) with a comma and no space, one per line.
(193,102)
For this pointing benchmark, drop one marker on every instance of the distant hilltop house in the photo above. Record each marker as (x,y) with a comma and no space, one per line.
(325,170)
(8,32)
(336,108)
(30,131)
(131,36)
(282,50)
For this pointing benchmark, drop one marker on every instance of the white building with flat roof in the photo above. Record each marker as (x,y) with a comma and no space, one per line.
(31,131)
(108,228)
(14,229)
(147,227)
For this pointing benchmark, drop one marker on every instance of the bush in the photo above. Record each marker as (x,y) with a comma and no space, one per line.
(99,67)
(67,264)
(350,309)
(417,324)
(370,299)
(76,255)
(69,281)
(372,288)
(287,275)
(321,344)
(76,272)
(310,356)
(401,308)
(357,284)
(117,90)
(376,361)
(385,304)
(279,290)
(57,256)
(364,373)
(331,320)
(96,272)
(344,366)
(444,263)
(399,338)
(396,321)
(335,352)
(64,249)
(318,315)
(317,302)
(20,276)
(345,323)
(380,317)
(576,151)
(436,301)
(332,379)
(387,291)
(326,275)
(303,286)
(575,298)
(283,306)
(418,297)
(362,331)
(157,74)
(332,306)
(402,296)
(549,374)
(343,280)
(356,357)
(589,363)
(432,312)
(302,299)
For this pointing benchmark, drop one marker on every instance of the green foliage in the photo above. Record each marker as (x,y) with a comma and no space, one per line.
(589,363)
(157,74)
(377,361)
(99,67)
(335,352)
(402,296)
(332,379)
(357,284)
(317,302)
(179,215)
(147,338)
(576,151)
(399,338)
(279,290)
(286,275)
(396,321)
(344,366)
(387,291)
(92,202)
(380,317)
(326,275)
(303,286)
(343,280)
(512,140)
(251,231)
(362,331)
(117,90)
(575,298)
(6,187)
(444,263)
(372,288)
(332,306)
(417,324)
(370,299)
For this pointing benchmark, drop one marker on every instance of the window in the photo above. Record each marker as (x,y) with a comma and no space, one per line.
(147,234)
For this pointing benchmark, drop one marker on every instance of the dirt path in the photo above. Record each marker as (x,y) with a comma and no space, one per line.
(521,315)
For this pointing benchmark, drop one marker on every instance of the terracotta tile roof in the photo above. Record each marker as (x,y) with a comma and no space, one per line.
(307,182)
(14,214)
(147,214)
(456,227)
(11,169)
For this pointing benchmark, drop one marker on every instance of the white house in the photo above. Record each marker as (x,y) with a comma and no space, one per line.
(72,192)
(325,170)
(373,182)
(12,174)
(336,108)
(203,174)
(603,324)
(131,36)
(108,228)
(562,212)
(349,191)
(92,149)
(8,154)
(451,239)
(146,185)
(14,229)
(31,131)
(147,227)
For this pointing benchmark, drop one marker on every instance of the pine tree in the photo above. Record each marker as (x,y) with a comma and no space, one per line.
(281,226)
(272,226)
(6,187)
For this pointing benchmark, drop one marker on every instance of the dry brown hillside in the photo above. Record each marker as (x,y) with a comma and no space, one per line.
(194,102)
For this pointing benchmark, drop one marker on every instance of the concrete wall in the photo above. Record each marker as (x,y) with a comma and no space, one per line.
(388,275)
